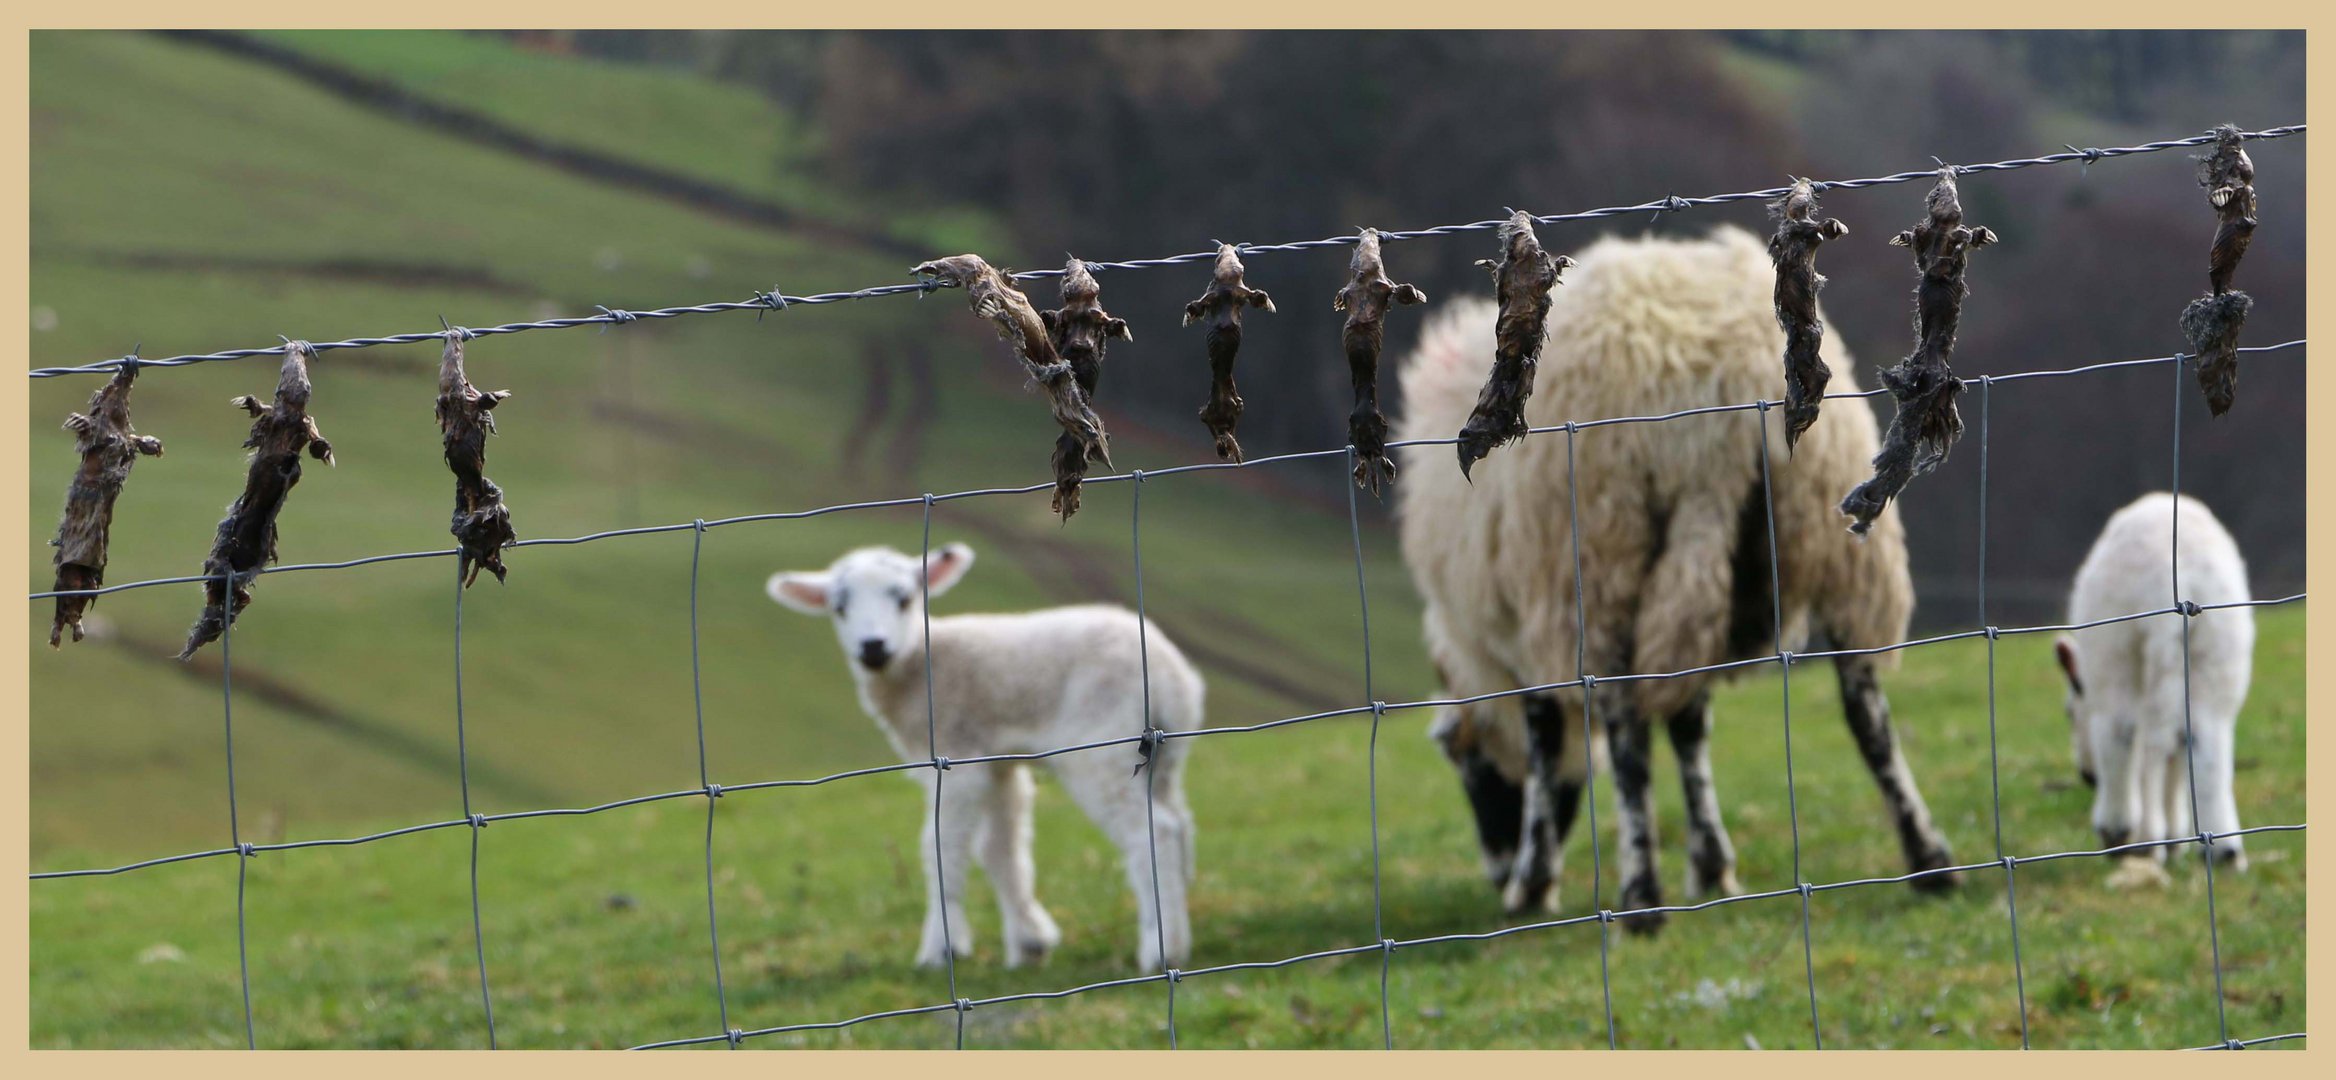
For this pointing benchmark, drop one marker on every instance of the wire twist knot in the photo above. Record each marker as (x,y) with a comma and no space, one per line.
(617,315)
(941,763)
(2189,608)
(734,1036)
(478,821)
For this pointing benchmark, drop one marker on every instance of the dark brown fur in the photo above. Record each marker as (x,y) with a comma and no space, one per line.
(1221,305)
(246,540)
(1522,278)
(2212,322)
(1078,331)
(1799,232)
(1924,384)
(108,447)
(1365,299)
(990,295)
(482,524)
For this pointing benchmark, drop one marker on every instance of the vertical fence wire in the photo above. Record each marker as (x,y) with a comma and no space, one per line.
(2189,614)
(1153,750)
(940,767)
(1589,794)
(478,936)
(1378,714)
(2011,895)
(1784,668)
(697,691)
(243,851)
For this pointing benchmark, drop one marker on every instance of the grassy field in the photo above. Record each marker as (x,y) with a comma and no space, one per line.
(192,202)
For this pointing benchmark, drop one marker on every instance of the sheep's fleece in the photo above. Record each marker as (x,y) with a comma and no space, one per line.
(1641,327)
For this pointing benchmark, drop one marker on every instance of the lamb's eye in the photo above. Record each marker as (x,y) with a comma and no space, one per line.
(903,601)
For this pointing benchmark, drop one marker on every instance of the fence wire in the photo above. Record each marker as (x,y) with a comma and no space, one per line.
(1152,742)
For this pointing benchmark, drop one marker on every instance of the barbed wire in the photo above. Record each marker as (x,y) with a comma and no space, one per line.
(774,300)
(1113,478)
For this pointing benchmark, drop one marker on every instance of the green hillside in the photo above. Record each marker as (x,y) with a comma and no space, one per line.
(191,201)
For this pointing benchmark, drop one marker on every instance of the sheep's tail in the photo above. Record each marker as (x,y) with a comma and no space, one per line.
(1441,375)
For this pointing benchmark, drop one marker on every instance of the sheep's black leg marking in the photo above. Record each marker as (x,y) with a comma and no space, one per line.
(1630,744)
(1711,858)
(1551,800)
(1868,713)
(1499,805)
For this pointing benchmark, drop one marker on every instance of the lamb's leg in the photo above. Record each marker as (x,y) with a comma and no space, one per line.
(2218,806)
(1556,771)
(962,797)
(1004,848)
(2117,801)
(1868,713)
(1116,802)
(2158,787)
(1711,859)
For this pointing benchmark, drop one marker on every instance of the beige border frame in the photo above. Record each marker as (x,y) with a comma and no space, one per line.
(15,643)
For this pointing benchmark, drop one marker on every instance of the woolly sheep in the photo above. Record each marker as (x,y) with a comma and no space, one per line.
(2125,684)
(1674,545)
(1016,684)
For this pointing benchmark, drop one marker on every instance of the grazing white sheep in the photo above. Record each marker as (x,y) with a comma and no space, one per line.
(2125,683)
(1017,684)
(1674,555)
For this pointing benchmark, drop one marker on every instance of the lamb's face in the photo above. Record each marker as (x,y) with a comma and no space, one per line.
(874,597)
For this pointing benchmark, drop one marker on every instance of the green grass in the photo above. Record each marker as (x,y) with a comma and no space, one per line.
(595,927)
(194,202)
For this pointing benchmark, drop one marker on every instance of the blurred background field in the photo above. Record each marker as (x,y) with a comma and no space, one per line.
(200,193)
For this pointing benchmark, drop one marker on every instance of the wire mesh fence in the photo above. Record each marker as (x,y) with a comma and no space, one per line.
(1146,738)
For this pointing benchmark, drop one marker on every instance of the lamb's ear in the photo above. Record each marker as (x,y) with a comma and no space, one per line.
(803,592)
(944,566)
(2065,647)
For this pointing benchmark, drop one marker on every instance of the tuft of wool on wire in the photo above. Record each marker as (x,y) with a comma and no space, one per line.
(1793,248)
(246,541)
(2212,322)
(481,524)
(1221,307)
(1924,384)
(1522,278)
(1078,331)
(991,296)
(1365,299)
(108,447)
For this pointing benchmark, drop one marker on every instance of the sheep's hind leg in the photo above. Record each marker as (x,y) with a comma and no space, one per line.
(1630,743)
(1868,713)
(1116,802)
(1556,771)
(1004,847)
(1711,858)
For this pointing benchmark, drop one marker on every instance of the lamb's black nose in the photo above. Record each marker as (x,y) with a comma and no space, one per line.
(874,655)
(2112,838)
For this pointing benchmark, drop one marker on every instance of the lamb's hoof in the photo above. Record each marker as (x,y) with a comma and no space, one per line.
(1030,953)
(935,957)
(2138,872)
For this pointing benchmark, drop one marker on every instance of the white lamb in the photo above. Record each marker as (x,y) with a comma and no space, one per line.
(2125,682)
(1017,684)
